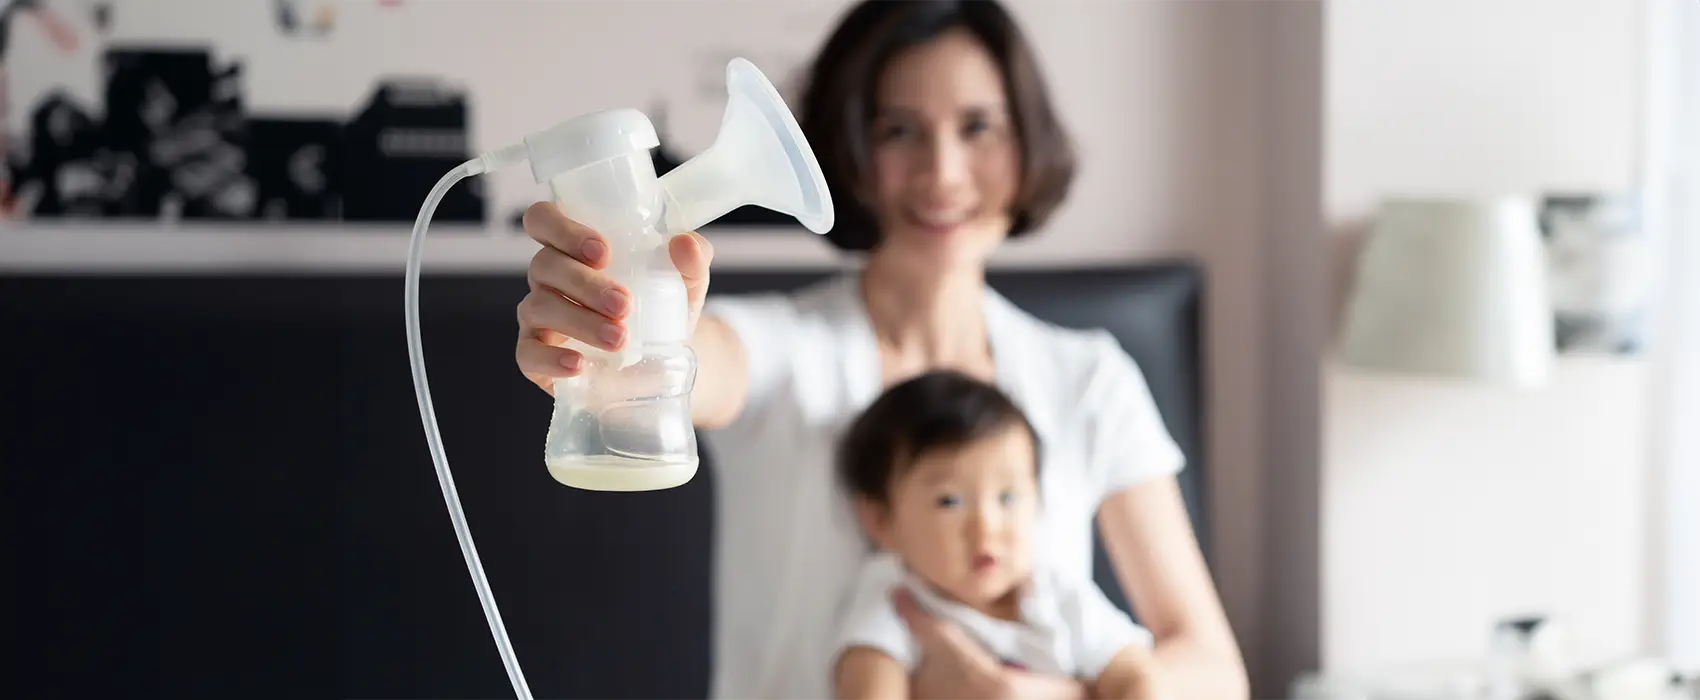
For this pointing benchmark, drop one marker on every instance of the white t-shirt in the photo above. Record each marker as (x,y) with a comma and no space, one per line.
(1067,628)
(788,547)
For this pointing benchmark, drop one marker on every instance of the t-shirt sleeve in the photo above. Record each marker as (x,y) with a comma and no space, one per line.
(764,324)
(1130,442)
(869,619)
(1099,629)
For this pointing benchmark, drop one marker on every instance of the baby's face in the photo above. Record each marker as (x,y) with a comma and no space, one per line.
(963,518)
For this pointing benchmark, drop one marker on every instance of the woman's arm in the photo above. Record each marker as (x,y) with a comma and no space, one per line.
(1150,540)
(722,374)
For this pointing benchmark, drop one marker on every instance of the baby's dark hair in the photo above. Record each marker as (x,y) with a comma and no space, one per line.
(937,409)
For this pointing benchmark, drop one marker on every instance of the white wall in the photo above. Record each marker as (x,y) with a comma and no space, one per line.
(1447,506)
(1673,150)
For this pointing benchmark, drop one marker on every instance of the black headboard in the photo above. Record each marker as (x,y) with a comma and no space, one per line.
(219,487)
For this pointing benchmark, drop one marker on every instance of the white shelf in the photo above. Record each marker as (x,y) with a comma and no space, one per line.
(114,247)
(210,248)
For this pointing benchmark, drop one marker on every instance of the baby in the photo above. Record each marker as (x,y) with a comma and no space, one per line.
(945,474)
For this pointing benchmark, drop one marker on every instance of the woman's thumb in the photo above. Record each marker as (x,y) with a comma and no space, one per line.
(692,253)
(920,622)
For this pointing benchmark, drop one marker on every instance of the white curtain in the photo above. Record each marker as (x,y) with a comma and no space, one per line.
(1672,173)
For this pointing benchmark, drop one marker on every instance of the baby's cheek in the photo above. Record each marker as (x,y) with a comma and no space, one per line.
(928,551)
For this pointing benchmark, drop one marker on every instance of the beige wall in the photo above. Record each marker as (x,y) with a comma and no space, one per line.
(1447,506)
(1296,274)
(1204,124)
(1172,105)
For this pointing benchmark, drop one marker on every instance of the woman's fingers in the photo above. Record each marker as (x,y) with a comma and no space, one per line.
(692,254)
(570,297)
(570,262)
(546,224)
(539,359)
(938,635)
(921,623)
(542,309)
(554,271)
(542,360)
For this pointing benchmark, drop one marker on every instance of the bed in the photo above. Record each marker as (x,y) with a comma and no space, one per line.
(191,531)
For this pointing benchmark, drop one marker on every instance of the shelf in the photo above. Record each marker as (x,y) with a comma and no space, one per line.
(210,248)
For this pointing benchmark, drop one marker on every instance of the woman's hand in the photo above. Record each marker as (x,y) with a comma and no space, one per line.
(573,297)
(954,665)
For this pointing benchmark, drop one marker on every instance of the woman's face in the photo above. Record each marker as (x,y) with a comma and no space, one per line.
(946,154)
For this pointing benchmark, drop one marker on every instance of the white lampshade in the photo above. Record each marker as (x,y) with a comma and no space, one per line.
(1455,288)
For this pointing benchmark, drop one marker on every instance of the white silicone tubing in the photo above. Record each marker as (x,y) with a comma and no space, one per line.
(427,414)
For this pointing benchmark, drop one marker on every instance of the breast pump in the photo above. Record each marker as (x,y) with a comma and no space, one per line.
(623,423)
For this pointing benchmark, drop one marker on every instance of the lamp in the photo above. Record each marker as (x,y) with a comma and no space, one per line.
(1454,288)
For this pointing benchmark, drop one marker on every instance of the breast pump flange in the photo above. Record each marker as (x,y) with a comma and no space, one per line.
(623,422)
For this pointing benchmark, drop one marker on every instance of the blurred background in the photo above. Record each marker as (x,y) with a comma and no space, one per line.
(1415,453)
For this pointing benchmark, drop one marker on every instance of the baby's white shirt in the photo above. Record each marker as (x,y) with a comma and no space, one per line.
(1068,626)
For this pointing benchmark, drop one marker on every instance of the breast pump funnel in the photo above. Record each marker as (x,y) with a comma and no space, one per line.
(623,423)
(759,157)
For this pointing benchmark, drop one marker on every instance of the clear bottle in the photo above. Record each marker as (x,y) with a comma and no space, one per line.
(626,428)
(623,423)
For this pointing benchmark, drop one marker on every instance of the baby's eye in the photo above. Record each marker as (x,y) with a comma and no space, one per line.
(1006,497)
(949,501)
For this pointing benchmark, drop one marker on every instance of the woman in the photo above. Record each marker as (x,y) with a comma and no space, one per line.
(933,125)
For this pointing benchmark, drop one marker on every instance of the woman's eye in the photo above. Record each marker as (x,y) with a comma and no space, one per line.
(949,501)
(895,131)
(975,127)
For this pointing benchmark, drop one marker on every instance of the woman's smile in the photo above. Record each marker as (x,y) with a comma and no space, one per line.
(939,221)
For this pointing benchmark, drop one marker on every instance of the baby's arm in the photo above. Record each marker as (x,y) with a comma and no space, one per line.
(874,650)
(866,673)
(1130,675)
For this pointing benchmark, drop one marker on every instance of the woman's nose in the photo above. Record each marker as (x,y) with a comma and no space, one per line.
(947,163)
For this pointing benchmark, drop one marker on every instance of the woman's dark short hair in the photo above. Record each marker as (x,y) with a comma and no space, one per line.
(941,409)
(838,102)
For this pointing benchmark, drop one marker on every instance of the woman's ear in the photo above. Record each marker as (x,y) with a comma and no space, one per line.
(875,518)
